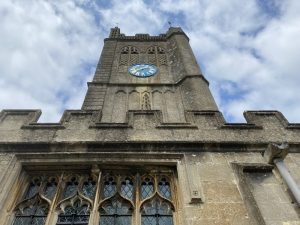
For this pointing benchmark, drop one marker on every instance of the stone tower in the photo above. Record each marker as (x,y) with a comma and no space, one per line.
(178,85)
(148,147)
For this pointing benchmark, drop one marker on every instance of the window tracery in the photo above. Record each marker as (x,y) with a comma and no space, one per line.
(33,208)
(146,105)
(123,197)
(156,55)
(129,55)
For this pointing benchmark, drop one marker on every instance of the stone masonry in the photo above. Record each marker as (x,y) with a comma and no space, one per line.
(221,175)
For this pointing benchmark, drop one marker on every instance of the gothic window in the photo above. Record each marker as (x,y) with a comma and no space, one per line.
(78,213)
(156,55)
(125,195)
(129,55)
(157,212)
(32,214)
(116,211)
(33,209)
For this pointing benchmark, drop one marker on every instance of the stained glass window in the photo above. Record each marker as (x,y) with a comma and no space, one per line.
(76,214)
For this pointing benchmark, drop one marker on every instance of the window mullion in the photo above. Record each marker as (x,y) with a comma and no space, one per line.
(49,220)
(137,216)
(94,214)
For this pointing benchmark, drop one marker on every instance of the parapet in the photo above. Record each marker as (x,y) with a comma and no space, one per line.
(115,34)
(201,127)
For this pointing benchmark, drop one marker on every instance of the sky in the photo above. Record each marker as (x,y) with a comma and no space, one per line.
(249,50)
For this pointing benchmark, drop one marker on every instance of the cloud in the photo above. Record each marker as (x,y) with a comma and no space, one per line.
(248,50)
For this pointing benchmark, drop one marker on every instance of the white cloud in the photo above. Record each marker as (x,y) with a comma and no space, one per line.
(248,50)
(44,46)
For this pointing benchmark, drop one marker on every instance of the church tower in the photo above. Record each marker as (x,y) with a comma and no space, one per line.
(148,147)
(144,72)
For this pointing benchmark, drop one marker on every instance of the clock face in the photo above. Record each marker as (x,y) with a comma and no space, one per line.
(142,70)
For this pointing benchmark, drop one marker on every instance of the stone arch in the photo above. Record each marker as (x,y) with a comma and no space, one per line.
(156,55)
(119,107)
(129,55)
(146,101)
(171,106)
(134,100)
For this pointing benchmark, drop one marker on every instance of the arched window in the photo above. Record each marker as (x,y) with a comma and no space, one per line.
(78,213)
(116,211)
(156,55)
(32,212)
(118,194)
(157,212)
(146,105)
(33,209)
(129,55)
(126,196)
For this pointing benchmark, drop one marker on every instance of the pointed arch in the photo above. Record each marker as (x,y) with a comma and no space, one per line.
(157,100)
(116,210)
(146,102)
(156,55)
(156,211)
(134,100)
(74,210)
(119,107)
(31,211)
(129,55)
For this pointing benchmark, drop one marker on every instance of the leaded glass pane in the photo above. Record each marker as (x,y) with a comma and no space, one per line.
(33,188)
(165,220)
(149,220)
(107,220)
(38,220)
(109,188)
(89,188)
(157,212)
(127,188)
(20,220)
(33,215)
(50,188)
(147,188)
(76,214)
(164,188)
(71,187)
(116,212)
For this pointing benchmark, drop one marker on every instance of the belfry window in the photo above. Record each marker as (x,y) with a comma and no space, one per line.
(156,55)
(129,55)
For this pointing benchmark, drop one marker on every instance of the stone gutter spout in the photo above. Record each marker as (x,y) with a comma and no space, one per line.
(275,154)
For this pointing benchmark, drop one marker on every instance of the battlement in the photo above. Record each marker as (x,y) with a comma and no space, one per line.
(21,126)
(116,34)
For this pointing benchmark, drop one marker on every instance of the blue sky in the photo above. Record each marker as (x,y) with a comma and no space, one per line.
(248,50)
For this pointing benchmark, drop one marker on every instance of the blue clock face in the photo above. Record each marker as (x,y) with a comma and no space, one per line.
(142,70)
